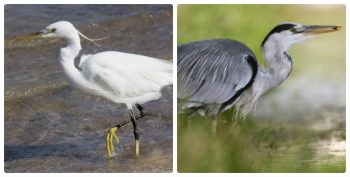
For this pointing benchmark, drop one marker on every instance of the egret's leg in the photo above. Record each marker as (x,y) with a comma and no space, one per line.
(141,115)
(136,132)
(111,134)
(109,141)
(140,108)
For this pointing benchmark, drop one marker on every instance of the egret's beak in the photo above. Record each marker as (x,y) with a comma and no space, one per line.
(316,29)
(32,35)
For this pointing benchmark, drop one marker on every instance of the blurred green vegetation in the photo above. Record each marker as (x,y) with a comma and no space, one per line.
(263,145)
(250,24)
(254,146)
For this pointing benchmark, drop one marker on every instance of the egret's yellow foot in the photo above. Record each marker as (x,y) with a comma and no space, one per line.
(111,135)
(137,147)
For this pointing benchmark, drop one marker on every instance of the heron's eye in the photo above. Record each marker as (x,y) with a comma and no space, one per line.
(293,30)
(53,30)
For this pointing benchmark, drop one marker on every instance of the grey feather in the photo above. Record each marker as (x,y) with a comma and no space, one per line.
(212,71)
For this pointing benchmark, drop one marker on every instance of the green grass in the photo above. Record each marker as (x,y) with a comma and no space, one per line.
(251,146)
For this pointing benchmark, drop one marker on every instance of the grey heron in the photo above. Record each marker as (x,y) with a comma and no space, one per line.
(125,78)
(215,75)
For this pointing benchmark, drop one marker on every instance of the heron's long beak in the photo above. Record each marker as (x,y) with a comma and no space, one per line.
(316,29)
(32,35)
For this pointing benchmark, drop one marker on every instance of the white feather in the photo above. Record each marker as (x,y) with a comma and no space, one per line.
(120,77)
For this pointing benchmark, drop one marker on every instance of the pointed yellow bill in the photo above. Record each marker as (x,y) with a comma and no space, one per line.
(27,37)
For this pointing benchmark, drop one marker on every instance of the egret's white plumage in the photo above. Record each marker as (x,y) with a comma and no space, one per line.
(120,77)
(124,78)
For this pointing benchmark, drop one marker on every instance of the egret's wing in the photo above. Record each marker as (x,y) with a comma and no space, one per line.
(214,71)
(106,80)
(83,58)
(127,75)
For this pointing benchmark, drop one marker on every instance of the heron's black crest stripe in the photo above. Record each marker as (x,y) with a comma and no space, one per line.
(254,65)
(278,29)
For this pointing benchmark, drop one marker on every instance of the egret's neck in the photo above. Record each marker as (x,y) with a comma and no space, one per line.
(72,49)
(67,56)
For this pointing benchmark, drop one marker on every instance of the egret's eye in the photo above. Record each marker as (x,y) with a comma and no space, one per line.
(47,31)
(51,30)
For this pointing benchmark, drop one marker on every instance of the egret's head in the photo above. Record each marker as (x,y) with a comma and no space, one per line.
(59,29)
(284,35)
(62,29)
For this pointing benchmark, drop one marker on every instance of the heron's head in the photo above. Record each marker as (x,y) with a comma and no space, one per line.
(284,35)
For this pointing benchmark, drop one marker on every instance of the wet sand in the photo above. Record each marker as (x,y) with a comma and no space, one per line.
(51,126)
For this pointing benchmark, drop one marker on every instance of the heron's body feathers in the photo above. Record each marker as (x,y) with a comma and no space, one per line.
(214,75)
(214,72)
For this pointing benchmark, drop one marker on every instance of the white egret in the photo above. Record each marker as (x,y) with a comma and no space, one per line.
(124,78)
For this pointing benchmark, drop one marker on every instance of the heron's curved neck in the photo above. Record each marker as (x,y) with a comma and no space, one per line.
(279,67)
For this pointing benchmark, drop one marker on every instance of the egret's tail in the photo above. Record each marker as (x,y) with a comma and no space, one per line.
(165,72)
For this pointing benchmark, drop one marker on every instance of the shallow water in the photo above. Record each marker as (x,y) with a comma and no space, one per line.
(51,126)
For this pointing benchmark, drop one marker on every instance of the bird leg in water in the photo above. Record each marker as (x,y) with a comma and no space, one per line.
(111,135)
(140,108)
(109,141)
(136,132)
(141,115)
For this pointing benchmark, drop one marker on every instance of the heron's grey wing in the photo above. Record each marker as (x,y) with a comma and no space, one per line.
(214,71)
